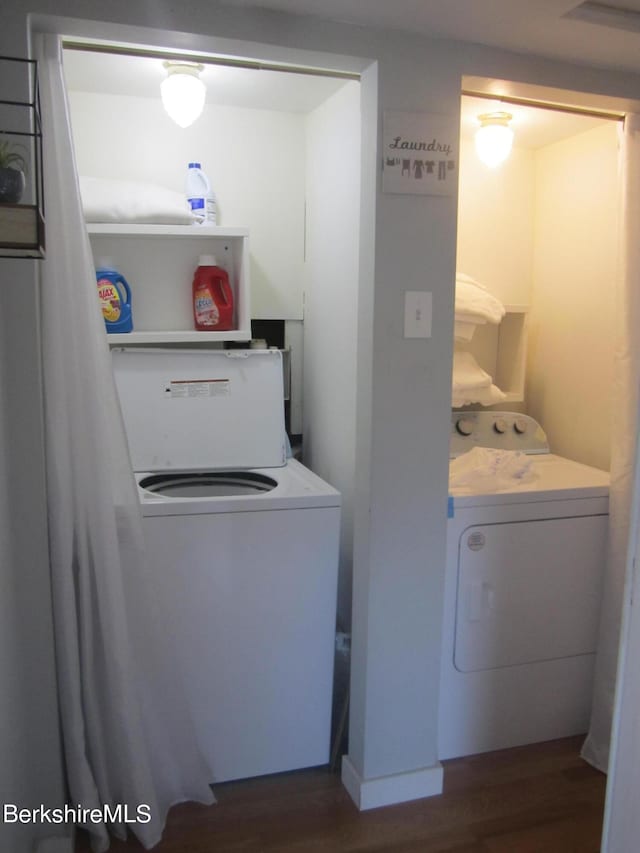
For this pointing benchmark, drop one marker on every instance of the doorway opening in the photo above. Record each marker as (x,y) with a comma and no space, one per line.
(281,147)
(539,234)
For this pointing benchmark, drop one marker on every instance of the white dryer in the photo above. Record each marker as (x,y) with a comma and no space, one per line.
(522,595)
(243,546)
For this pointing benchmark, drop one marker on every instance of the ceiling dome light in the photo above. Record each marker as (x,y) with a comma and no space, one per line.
(183,92)
(494,138)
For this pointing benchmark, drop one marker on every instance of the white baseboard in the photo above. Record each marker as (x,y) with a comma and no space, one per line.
(387,790)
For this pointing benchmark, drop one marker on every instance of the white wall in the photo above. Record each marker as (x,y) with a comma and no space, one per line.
(254,160)
(571,325)
(398,593)
(495,223)
(331,305)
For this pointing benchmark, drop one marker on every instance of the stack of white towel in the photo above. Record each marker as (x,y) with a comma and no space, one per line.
(471,384)
(474,306)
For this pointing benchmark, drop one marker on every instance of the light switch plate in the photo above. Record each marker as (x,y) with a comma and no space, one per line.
(417,314)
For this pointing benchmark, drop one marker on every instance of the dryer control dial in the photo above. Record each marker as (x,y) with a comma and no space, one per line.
(500,426)
(520,426)
(464,426)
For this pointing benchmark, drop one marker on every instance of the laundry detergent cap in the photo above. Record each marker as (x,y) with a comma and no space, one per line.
(207,261)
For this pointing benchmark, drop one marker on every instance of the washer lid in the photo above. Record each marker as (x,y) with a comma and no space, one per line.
(202,409)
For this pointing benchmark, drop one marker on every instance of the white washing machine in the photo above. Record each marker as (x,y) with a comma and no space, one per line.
(522,595)
(243,544)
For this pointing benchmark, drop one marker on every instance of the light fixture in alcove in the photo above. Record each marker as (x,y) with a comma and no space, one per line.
(494,138)
(183,92)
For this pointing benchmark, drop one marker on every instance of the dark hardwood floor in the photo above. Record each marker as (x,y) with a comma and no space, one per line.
(534,799)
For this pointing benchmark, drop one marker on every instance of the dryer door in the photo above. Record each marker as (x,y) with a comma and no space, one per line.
(528,591)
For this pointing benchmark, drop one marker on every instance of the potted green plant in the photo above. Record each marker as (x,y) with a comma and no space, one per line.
(12,173)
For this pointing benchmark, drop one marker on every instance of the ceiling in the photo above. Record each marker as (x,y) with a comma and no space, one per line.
(533,127)
(238,87)
(289,92)
(604,33)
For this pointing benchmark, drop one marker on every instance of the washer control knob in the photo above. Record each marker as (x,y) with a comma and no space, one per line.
(500,426)
(464,426)
(520,426)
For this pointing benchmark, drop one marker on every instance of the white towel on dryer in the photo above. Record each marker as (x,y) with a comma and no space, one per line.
(484,469)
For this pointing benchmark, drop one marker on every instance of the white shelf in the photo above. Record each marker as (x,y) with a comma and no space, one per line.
(158,262)
(175,336)
(501,350)
(181,231)
(511,355)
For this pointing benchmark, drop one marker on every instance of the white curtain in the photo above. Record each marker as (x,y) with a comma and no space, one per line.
(624,431)
(621,831)
(123,744)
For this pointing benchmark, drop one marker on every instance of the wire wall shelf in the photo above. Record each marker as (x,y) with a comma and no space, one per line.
(21,179)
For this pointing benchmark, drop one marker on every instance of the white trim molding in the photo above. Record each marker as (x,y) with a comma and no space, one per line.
(396,788)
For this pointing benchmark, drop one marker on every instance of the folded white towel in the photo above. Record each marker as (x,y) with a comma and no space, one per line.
(463,331)
(474,303)
(478,396)
(471,384)
(106,200)
(476,319)
(467,373)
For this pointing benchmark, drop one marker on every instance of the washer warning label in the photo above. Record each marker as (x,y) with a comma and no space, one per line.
(189,388)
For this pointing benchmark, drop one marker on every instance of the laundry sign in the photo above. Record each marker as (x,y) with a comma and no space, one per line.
(419,154)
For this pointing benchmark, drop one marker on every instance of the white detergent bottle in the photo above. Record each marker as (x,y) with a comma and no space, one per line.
(200,196)
(211,209)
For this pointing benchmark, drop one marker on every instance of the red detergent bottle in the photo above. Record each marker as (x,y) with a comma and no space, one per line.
(212,297)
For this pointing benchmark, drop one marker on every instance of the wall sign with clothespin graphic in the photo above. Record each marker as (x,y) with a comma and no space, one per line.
(419,152)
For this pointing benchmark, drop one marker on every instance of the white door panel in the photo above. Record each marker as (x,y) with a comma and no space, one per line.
(528,591)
